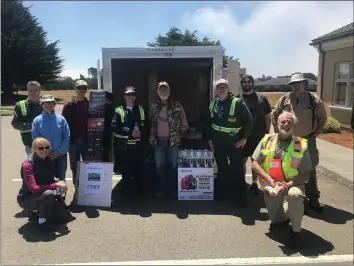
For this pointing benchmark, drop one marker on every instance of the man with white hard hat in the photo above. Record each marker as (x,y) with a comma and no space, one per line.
(229,126)
(312,117)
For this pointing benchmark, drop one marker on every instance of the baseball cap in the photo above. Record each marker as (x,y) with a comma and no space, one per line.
(80,83)
(47,98)
(163,83)
(221,81)
(129,90)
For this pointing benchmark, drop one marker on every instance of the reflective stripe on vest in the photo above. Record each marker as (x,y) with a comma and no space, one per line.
(25,131)
(23,107)
(291,159)
(121,112)
(120,136)
(231,113)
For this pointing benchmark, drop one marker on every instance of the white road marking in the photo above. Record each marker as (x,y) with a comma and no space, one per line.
(235,261)
(115,177)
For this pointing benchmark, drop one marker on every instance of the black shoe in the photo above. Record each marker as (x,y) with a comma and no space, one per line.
(45,227)
(254,189)
(315,205)
(33,215)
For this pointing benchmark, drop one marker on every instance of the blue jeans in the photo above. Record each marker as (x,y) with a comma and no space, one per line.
(60,166)
(166,164)
(77,150)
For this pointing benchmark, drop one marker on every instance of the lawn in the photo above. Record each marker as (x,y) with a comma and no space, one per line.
(273,97)
(60,96)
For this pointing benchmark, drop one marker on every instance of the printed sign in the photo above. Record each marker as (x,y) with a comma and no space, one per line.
(195,183)
(95,184)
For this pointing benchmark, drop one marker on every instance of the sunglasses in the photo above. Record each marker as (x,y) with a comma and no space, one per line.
(81,88)
(43,148)
(130,94)
(247,81)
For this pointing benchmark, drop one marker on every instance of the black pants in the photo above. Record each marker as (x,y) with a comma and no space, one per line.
(40,202)
(231,178)
(131,166)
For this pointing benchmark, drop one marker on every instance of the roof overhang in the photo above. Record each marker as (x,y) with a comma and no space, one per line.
(338,42)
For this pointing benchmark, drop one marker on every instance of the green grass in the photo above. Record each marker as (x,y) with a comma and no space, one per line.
(6,112)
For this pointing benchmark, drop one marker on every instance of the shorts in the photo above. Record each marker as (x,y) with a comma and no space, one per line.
(251,145)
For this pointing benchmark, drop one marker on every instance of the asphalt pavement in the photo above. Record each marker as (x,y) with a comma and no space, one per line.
(163,230)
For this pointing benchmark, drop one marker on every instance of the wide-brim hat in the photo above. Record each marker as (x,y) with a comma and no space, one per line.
(297,78)
(47,98)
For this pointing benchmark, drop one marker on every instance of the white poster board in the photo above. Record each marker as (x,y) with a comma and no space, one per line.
(95,184)
(196,183)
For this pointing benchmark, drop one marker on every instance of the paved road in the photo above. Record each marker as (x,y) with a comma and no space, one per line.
(154,230)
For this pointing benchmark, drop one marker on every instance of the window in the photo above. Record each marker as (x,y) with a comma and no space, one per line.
(344,84)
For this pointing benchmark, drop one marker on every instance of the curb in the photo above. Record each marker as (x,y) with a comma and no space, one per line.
(326,170)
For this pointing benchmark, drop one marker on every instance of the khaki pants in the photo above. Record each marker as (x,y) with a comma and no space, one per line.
(288,205)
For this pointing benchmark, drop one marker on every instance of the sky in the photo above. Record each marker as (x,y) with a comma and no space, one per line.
(270,38)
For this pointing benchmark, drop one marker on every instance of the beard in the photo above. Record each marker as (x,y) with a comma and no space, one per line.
(286,131)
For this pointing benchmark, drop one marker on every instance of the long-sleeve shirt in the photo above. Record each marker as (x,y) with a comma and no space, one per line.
(303,111)
(55,129)
(30,179)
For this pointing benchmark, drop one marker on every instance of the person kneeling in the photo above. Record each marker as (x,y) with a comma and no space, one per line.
(38,191)
(282,163)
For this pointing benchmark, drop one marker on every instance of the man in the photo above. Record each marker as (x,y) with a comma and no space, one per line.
(283,164)
(312,117)
(130,136)
(25,112)
(54,128)
(75,111)
(229,126)
(168,125)
(260,109)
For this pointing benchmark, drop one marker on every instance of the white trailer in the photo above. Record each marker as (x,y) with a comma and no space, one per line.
(190,71)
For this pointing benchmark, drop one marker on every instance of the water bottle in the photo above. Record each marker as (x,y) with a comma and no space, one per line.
(136,127)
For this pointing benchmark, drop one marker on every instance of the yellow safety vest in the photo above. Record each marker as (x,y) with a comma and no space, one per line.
(232,118)
(121,111)
(291,159)
(23,107)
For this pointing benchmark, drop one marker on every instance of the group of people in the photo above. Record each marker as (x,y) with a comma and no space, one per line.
(238,127)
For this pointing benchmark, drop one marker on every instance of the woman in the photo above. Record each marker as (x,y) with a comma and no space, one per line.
(168,124)
(39,187)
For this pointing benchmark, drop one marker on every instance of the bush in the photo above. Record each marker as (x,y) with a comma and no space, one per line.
(332,126)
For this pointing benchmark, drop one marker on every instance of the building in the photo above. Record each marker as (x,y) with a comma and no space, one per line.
(335,72)
(279,84)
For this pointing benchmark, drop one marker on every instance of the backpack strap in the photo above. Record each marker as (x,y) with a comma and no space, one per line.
(313,102)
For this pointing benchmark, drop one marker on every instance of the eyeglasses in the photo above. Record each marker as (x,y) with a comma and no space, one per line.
(43,148)
(297,83)
(130,94)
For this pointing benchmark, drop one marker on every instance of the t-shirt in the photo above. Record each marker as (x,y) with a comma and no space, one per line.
(259,107)
(280,148)
(81,119)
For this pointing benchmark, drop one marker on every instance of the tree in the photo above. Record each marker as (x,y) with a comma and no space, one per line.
(82,77)
(92,72)
(25,50)
(310,76)
(175,37)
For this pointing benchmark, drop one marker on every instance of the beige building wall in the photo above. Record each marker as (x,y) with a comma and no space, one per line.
(343,115)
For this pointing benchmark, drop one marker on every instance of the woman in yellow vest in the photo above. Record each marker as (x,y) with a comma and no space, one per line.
(282,163)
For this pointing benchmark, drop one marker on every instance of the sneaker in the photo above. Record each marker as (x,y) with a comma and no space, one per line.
(45,227)
(315,205)
(32,215)
(254,189)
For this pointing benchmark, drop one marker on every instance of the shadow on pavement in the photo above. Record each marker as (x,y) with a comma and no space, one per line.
(30,232)
(148,205)
(331,215)
(91,212)
(308,244)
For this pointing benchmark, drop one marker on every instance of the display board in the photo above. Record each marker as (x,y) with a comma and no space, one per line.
(94,184)
(195,175)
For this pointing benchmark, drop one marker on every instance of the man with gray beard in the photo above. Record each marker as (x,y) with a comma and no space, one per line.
(283,164)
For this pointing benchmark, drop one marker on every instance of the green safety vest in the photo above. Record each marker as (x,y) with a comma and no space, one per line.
(123,140)
(232,118)
(24,110)
(291,159)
